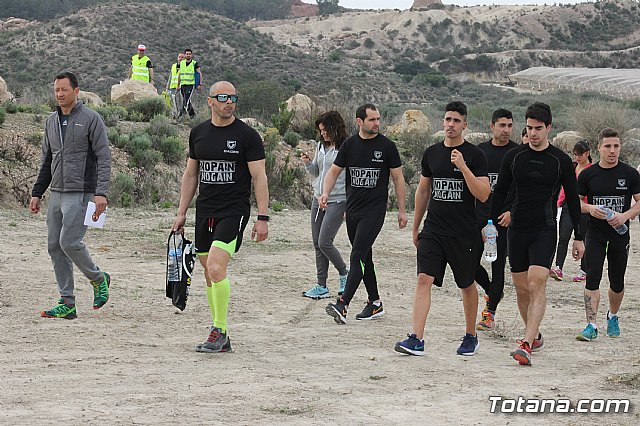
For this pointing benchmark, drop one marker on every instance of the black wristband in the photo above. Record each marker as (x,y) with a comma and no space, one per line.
(263,217)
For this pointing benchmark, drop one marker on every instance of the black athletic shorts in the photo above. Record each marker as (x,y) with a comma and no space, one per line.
(528,248)
(225,233)
(616,250)
(435,251)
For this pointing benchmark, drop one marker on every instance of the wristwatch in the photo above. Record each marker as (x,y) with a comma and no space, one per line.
(263,217)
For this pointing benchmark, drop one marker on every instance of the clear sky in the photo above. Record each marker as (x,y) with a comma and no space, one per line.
(405,4)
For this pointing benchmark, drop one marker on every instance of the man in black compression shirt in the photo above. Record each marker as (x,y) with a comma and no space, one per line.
(538,170)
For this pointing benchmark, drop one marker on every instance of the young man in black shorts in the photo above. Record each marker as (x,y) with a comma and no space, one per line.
(610,184)
(454,175)
(369,159)
(494,150)
(225,157)
(538,170)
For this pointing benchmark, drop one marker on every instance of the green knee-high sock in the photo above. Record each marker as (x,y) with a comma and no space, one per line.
(221,292)
(211,306)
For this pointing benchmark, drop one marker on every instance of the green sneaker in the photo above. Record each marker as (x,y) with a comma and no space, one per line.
(61,310)
(588,334)
(613,328)
(101,291)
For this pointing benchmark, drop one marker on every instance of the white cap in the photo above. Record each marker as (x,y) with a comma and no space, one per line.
(142,47)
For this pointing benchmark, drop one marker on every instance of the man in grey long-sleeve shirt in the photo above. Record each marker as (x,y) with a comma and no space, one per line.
(76,166)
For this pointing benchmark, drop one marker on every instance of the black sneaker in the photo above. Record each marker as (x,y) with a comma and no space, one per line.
(216,342)
(371,311)
(338,311)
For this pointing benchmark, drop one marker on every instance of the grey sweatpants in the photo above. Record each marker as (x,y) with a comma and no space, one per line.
(324,227)
(66,229)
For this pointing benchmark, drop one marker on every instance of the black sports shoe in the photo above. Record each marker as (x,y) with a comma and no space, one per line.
(217,342)
(371,311)
(338,311)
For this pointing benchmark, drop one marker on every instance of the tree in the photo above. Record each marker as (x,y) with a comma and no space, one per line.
(328,7)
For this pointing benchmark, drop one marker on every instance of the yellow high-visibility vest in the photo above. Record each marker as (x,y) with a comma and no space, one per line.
(187,73)
(139,68)
(175,71)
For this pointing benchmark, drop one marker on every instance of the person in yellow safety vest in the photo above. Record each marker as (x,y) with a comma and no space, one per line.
(172,87)
(189,77)
(141,67)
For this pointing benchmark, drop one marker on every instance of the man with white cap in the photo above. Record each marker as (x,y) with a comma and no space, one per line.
(141,67)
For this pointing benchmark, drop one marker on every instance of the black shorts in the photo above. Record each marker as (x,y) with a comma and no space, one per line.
(435,251)
(616,250)
(225,233)
(528,248)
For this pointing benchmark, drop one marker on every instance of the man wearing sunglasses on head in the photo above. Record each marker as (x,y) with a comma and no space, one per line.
(225,157)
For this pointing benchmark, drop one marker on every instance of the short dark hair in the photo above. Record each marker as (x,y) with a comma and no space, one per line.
(188,50)
(539,111)
(67,74)
(334,125)
(607,132)
(501,113)
(361,112)
(581,147)
(457,106)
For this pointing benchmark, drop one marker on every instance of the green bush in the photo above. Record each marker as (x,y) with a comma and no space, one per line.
(10,107)
(271,138)
(292,138)
(122,189)
(160,127)
(282,119)
(146,109)
(277,206)
(145,159)
(113,134)
(172,149)
(138,142)
(3,115)
(111,114)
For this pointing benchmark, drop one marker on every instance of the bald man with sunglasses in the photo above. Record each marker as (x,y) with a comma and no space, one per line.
(225,157)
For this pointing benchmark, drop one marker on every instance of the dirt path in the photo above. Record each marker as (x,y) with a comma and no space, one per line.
(132,362)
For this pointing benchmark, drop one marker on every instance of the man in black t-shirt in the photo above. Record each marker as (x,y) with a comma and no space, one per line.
(454,175)
(609,184)
(225,157)
(369,159)
(495,150)
(537,171)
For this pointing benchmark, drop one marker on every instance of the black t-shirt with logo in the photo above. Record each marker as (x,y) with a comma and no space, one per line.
(367,163)
(610,187)
(451,210)
(64,123)
(494,155)
(224,178)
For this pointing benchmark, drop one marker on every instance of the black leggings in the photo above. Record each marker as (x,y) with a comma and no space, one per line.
(616,250)
(362,232)
(494,287)
(564,235)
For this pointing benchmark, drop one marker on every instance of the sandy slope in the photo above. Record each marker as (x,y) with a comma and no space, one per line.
(132,362)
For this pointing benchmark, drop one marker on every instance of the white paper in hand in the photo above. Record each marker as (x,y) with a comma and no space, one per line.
(88,218)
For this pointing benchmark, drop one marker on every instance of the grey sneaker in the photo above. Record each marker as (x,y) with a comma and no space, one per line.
(216,342)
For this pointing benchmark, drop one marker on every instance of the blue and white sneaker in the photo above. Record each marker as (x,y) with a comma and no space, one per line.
(613,328)
(469,345)
(588,334)
(342,283)
(411,346)
(317,292)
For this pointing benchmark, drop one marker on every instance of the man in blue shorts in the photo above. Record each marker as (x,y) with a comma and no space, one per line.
(537,170)
(454,175)
(225,157)
(610,184)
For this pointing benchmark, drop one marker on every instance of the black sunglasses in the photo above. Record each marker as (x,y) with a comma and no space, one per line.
(223,97)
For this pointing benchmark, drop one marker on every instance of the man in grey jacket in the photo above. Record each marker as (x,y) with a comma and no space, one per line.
(76,166)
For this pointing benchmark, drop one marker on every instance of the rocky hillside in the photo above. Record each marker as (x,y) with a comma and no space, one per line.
(487,42)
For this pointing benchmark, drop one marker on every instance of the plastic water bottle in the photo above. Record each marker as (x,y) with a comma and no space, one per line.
(490,244)
(622,229)
(175,261)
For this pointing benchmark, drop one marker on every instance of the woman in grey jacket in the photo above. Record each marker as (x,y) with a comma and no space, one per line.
(326,222)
